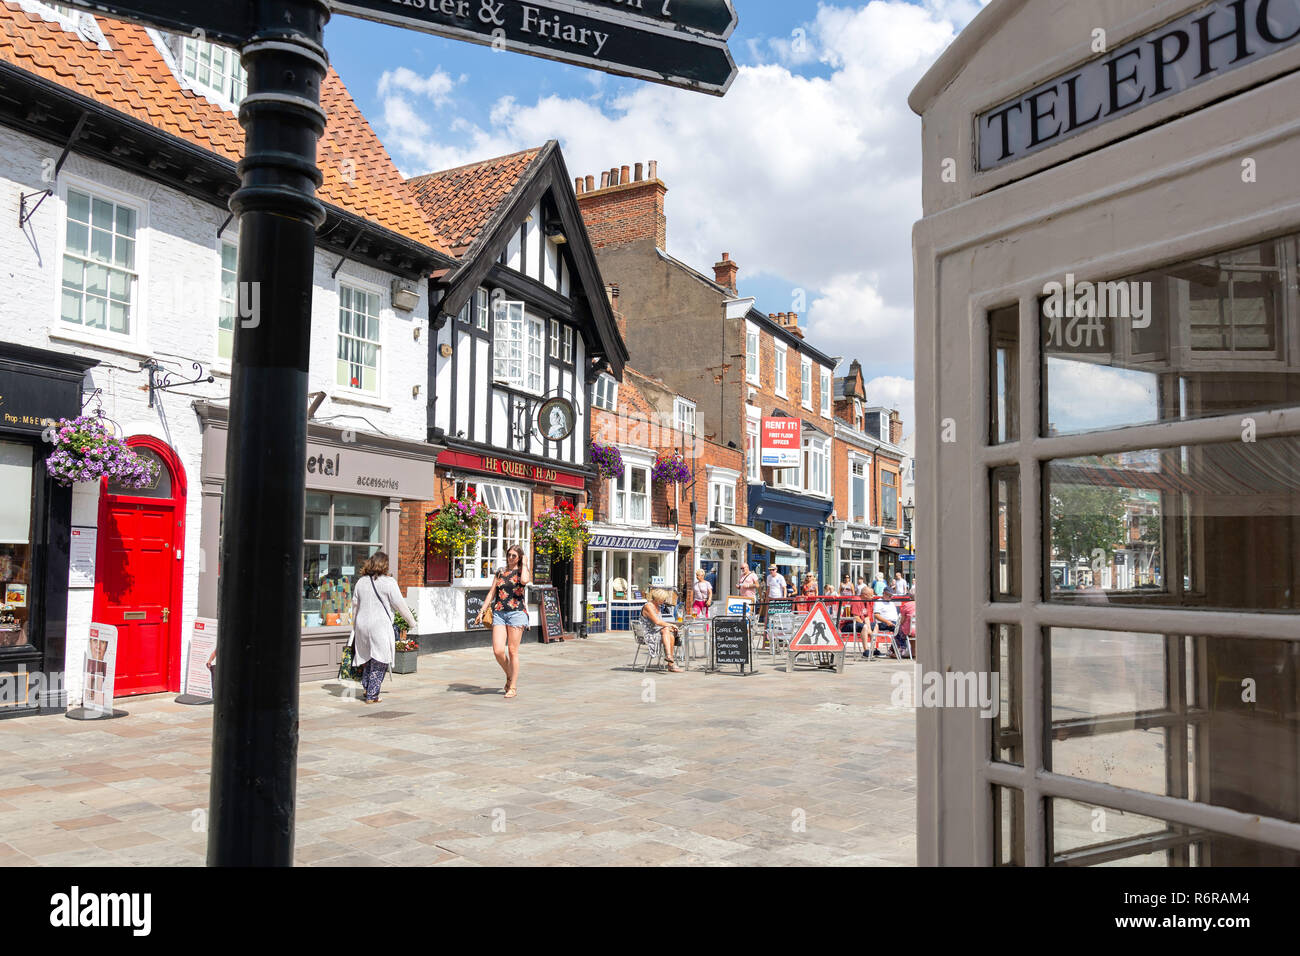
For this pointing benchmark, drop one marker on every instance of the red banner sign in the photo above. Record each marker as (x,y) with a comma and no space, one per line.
(506,468)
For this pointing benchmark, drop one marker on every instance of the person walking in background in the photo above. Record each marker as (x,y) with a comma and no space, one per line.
(900,584)
(748,586)
(375,598)
(878,585)
(508,599)
(703,594)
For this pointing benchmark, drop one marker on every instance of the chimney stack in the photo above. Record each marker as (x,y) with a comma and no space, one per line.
(895,427)
(626,208)
(725,273)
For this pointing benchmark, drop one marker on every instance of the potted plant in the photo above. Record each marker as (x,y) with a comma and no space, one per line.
(670,468)
(607,459)
(407,647)
(85,449)
(560,531)
(458,525)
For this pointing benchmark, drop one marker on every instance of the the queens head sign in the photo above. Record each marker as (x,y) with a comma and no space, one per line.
(1183,53)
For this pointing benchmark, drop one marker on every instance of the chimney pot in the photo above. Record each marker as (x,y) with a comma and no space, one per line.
(654,169)
(640,172)
(591,183)
(577,185)
(625,174)
(604,179)
(771,315)
(613,175)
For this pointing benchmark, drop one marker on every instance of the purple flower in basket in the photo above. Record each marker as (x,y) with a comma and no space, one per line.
(86,450)
(670,468)
(607,459)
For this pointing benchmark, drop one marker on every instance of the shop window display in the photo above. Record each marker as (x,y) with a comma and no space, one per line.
(15,541)
(342,532)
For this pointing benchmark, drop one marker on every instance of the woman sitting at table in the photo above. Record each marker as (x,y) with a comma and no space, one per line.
(656,627)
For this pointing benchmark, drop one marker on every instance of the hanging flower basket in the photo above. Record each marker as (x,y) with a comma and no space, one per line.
(458,525)
(85,449)
(607,459)
(670,469)
(560,531)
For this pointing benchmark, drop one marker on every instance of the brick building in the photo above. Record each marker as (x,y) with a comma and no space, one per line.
(645,531)
(870,534)
(741,366)
(520,325)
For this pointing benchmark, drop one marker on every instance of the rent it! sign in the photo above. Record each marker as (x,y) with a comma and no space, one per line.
(782,442)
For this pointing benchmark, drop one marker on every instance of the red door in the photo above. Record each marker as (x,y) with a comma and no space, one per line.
(139,575)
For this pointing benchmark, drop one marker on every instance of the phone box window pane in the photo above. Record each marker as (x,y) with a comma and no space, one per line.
(1211,526)
(1211,336)
(1082,834)
(1005,526)
(1008,739)
(1008,826)
(1208,719)
(1004,375)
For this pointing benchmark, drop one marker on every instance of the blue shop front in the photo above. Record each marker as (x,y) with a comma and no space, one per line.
(799,520)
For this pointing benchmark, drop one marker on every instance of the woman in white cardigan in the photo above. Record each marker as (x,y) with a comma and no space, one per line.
(375,597)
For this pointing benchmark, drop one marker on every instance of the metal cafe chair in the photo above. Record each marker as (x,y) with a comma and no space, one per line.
(781,629)
(654,648)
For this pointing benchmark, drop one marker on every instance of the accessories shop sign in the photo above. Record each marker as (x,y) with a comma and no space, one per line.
(1181,54)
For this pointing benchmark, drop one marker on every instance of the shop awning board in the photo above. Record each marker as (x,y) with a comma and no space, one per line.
(760,539)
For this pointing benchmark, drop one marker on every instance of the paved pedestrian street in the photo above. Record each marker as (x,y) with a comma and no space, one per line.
(593,763)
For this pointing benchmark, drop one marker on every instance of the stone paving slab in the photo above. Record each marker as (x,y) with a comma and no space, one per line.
(593,764)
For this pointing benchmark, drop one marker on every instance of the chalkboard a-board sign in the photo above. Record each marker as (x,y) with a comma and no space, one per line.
(551,621)
(731,642)
(780,607)
(541,567)
(473,604)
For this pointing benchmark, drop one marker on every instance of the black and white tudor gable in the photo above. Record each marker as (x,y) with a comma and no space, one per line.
(524,318)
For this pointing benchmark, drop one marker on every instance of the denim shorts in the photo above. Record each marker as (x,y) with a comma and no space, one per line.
(511,618)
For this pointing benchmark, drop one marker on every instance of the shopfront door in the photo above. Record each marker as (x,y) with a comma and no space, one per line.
(138,579)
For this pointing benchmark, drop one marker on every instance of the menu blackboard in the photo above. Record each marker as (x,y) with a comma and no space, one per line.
(551,620)
(731,642)
(780,607)
(473,604)
(541,567)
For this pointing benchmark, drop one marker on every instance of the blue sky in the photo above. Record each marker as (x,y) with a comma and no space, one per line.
(807,172)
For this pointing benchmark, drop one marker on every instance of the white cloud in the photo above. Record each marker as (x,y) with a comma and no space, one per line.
(810,179)
(892,391)
(437,86)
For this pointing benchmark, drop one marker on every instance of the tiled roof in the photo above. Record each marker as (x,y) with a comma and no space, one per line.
(460,202)
(134,79)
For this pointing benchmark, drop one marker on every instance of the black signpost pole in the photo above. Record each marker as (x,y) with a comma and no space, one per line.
(255,721)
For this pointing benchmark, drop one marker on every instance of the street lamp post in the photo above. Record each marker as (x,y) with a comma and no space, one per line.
(909,513)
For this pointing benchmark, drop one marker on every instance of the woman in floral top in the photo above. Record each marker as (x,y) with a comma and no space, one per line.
(509,602)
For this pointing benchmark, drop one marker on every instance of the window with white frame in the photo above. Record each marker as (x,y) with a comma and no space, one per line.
(605,394)
(858,491)
(789,479)
(510,524)
(751,355)
(684,415)
(555,338)
(228,304)
(722,501)
(358,349)
(826,393)
(482,307)
(805,383)
(630,495)
(780,369)
(568,344)
(215,70)
(517,347)
(99,264)
(817,466)
(753,452)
